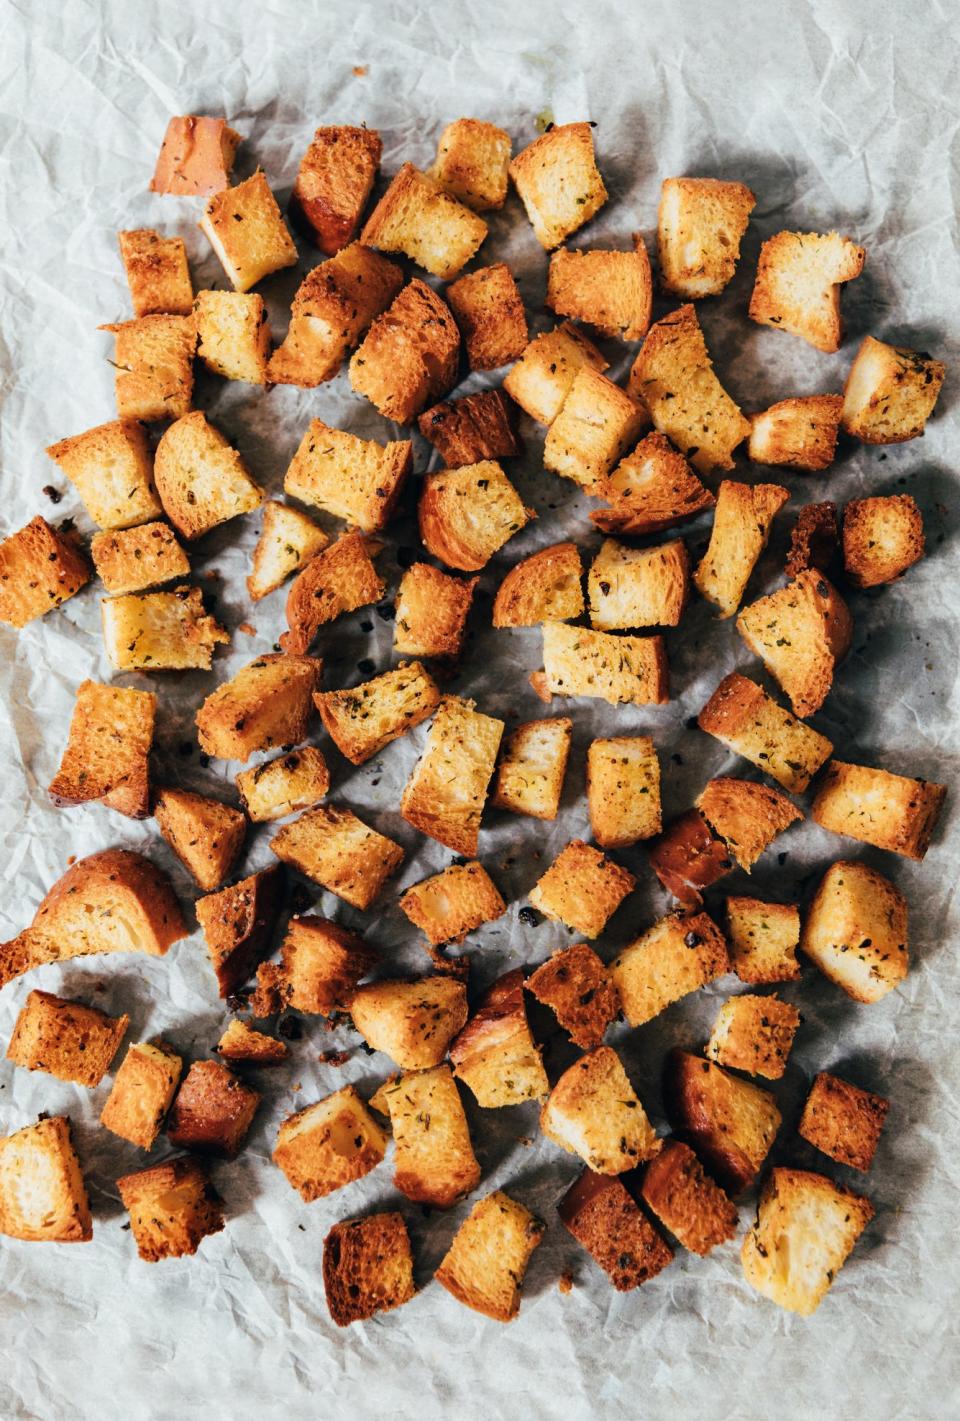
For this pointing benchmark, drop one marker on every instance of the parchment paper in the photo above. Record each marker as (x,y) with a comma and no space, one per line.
(837,115)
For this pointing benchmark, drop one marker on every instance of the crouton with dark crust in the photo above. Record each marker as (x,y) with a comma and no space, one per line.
(855,931)
(173,1207)
(558,182)
(472,429)
(495,1053)
(267,703)
(673,958)
(686,1200)
(699,228)
(213,1110)
(542,377)
(43,1198)
(65,1039)
(730,1122)
(797,434)
(843,1121)
(484,1266)
(431,612)
(594,1112)
(238,924)
(334,181)
(39,570)
(111,468)
(801,633)
(579,991)
(107,755)
(338,851)
(689,857)
(607,1221)
(367,1267)
(489,311)
(889,811)
(244,227)
(814,540)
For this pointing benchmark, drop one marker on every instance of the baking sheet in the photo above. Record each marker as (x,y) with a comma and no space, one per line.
(837,116)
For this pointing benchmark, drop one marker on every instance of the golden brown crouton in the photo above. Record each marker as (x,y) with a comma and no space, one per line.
(431,612)
(409,356)
(453,903)
(801,633)
(160,631)
(484,1266)
(798,284)
(495,1053)
(532,767)
(446,792)
(411,1022)
(543,587)
(638,587)
(417,217)
(367,1267)
(245,229)
(542,377)
(582,889)
(467,514)
(434,1163)
(763,940)
(108,750)
(234,334)
(674,957)
(814,540)
(361,721)
(284,785)
(322,965)
(42,1194)
(173,1207)
(238,924)
(196,157)
(596,425)
(699,227)
(688,857)
(153,360)
(577,988)
(112,470)
(39,570)
(133,559)
(329,1144)
(744,718)
(855,931)
(594,1112)
(212,1111)
(797,434)
(843,1121)
(65,1039)
(355,479)
(558,182)
(890,392)
(889,811)
(747,816)
(287,542)
(142,1092)
(489,311)
(334,180)
(157,273)
(470,430)
(205,834)
(732,1123)
(337,850)
(686,1200)
(579,662)
(882,537)
(607,1221)
(623,790)
(472,161)
(612,291)
(201,479)
(267,703)
(741,529)
(754,1034)
(652,487)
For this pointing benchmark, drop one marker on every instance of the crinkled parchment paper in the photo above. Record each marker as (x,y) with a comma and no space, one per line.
(838,115)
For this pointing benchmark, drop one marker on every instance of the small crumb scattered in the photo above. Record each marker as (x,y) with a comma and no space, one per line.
(334,1058)
(247,629)
(72,858)
(524,1140)
(565,1282)
(360,70)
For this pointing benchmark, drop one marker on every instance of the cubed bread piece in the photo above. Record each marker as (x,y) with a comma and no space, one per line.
(686,1200)
(245,229)
(434,1163)
(699,227)
(107,756)
(855,931)
(612,291)
(205,834)
(65,1039)
(241,1044)
(532,767)
(742,521)
(467,514)
(333,183)
(743,717)
(196,157)
(797,434)
(431,612)
(367,1267)
(689,857)
(266,999)
(201,479)
(596,425)
(328,1145)
(453,903)
(652,487)
(607,1221)
(409,356)
(558,182)
(43,1198)
(160,631)
(801,633)
(472,429)
(355,479)
(489,312)
(732,1123)
(582,889)
(153,360)
(446,792)
(797,288)
(238,924)
(882,537)
(233,330)
(623,790)
(484,1266)
(284,785)
(579,991)
(638,587)
(747,816)
(674,377)
(541,379)
(754,1034)
(495,1053)
(157,273)
(133,559)
(814,540)
(142,1093)
(337,850)
(411,1022)
(805,1230)
(39,570)
(618,669)
(111,468)
(843,1121)
(890,392)
(763,938)
(889,811)
(322,963)
(212,1110)
(287,542)
(417,217)
(173,1207)
(673,958)
(594,1112)
(267,703)
(544,587)
(361,721)
(472,161)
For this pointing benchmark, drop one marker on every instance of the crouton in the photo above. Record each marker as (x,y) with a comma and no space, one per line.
(805,1230)
(322,966)
(467,514)
(542,378)
(699,227)
(267,703)
(329,1144)
(890,392)
(754,1034)
(623,790)
(797,434)
(855,931)
(133,559)
(196,157)
(746,816)
(797,288)
(801,633)
(205,834)
(108,750)
(674,377)
(484,1266)
(367,1267)
(689,857)
(453,903)
(201,479)
(541,588)
(741,529)
(594,1112)
(39,570)
(843,1121)
(434,1163)
(732,1123)
(472,429)
(238,924)
(43,1198)
(233,330)
(446,792)
(686,1200)
(607,1221)
(65,1039)
(596,425)
(652,487)
(153,360)
(471,163)
(431,612)
(284,785)
(355,479)
(417,217)
(212,1110)
(532,768)
(638,587)
(743,717)
(814,540)
(495,1053)
(763,940)
(411,1022)
(617,669)
(142,1093)
(582,889)
(611,291)
(333,183)
(489,312)
(337,850)
(160,631)
(579,991)
(361,721)
(173,1207)
(112,470)
(558,182)
(889,811)
(338,580)
(673,958)
(882,537)
(287,542)
(245,229)
(157,273)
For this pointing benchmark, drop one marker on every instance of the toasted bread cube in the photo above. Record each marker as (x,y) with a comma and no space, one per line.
(355,479)
(196,157)
(582,889)
(558,182)
(754,1034)
(889,811)
(212,1111)
(201,479)
(596,425)
(65,1039)
(453,903)
(638,587)
(742,521)
(797,288)
(594,1112)
(329,1144)
(267,703)
(470,430)
(322,965)
(267,998)
(173,1207)
(607,1221)
(157,273)
(238,924)
(843,1121)
(763,940)
(743,717)
(43,1198)
(112,470)
(618,669)
(579,991)
(467,514)
(797,434)
(205,834)
(801,633)
(890,392)
(532,768)
(107,756)
(688,857)
(855,931)
(699,227)
(484,1266)
(142,1093)
(489,312)
(241,1044)
(361,721)
(495,1053)
(337,850)
(133,559)
(417,217)
(409,356)
(686,1200)
(673,958)
(805,1231)
(153,359)
(814,539)
(333,183)
(544,587)
(287,542)
(245,229)
(652,487)
(233,330)
(471,163)
(431,612)
(284,785)
(732,1123)
(542,378)
(39,570)
(160,631)
(367,1267)
(746,816)
(882,537)
(411,1022)
(434,1162)
(623,790)
(674,377)
(612,291)
(446,792)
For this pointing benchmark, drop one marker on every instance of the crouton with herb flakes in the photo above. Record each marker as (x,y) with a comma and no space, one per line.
(489,312)
(212,1111)
(111,468)
(855,931)
(543,587)
(322,964)
(357,480)
(797,434)
(558,182)
(742,521)
(747,816)
(337,850)
(623,790)
(411,1022)
(612,291)
(409,356)
(39,570)
(153,360)
(417,217)
(173,1207)
(201,479)
(196,156)
(638,587)
(801,633)
(160,631)
(157,273)
(843,1121)
(367,1267)
(763,938)
(238,924)
(205,834)
(542,377)
(107,756)
(889,811)
(362,721)
(596,425)
(453,903)
(336,581)
(446,792)
(334,181)
(532,767)
(472,429)
(673,958)
(594,1112)
(142,1093)
(467,514)
(43,1198)
(730,1122)
(431,612)
(267,703)
(882,537)
(617,669)
(287,542)
(472,162)
(484,1266)
(245,229)
(743,717)
(134,559)
(495,1053)
(284,785)
(434,1162)
(797,288)
(754,1034)
(582,889)
(328,1145)
(65,1039)
(608,1222)
(234,335)
(699,227)
(890,392)
(687,1201)
(579,991)
(652,487)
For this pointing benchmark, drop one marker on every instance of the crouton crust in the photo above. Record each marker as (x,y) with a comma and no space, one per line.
(338,851)
(801,633)
(673,958)
(582,888)
(754,1034)
(205,834)
(558,182)
(472,162)
(484,1266)
(495,1053)
(328,1145)
(337,580)
(580,662)
(594,1112)
(196,156)
(233,331)
(732,1123)
(686,1200)
(856,932)
(467,514)
(814,540)
(367,1267)
(612,291)
(241,1044)
(173,1207)
(333,183)
(699,227)
(409,355)
(434,1162)
(284,785)
(267,703)
(160,631)
(287,542)
(890,392)
(742,521)
(238,924)
(797,288)
(153,360)
(361,721)
(417,217)
(355,479)
(889,811)
(133,559)
(638,587)
(446,792)
(797,434)
(579,991)
(532,767)
(65,1039)
(244,226)
(472,429)
(882,537)
(843,1121)
(743,717)
(157,273)
(42,1194)
(212,1110)
(689,857)
(411,1022)
(747,816)
(607,1221)
(107,753)
(652,487)
(142,1092)
(596,425)
(543,587)
(541,379)
(322,964)
(39,570)
(489,312)
(763,940)
(201,479)
(450,904)
(431,612)
(623,790)
(111,468)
